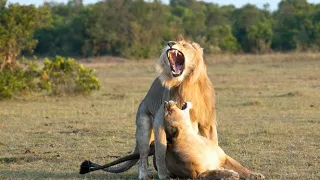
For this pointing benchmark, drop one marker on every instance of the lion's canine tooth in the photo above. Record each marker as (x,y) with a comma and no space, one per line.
(176,52)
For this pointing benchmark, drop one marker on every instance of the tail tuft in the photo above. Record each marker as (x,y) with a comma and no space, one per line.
(85,167)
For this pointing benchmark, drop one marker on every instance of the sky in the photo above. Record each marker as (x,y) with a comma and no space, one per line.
(237,3)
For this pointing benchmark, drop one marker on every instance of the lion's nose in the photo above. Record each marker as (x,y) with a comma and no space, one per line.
(171,43)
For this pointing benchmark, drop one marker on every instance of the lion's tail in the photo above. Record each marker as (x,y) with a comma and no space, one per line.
(125,166)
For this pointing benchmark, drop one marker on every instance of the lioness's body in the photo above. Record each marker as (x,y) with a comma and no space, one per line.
(183,78)
(190,155)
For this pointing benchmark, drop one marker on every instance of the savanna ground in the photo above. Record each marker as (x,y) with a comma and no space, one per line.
(268,111)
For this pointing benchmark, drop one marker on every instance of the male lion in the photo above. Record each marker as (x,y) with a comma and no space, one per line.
(189,155)
(183,77)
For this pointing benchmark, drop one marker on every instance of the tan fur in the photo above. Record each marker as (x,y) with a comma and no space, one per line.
(193,85)
(193,156)
(190,155)
(196,87)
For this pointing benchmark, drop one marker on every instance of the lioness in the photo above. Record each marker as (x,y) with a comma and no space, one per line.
(189,155)
(183,77)
(194,156)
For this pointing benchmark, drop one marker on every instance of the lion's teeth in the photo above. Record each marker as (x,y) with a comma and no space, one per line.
(176,53)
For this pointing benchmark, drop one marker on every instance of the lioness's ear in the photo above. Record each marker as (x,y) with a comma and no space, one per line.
(173,131)
(167,108)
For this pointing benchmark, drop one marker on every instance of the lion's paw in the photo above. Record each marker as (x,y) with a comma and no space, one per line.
(145,175)
(164,176)
(256,176)
(150,173)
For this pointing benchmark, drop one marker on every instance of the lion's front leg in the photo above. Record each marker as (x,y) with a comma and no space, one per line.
(160,144)
(210,132)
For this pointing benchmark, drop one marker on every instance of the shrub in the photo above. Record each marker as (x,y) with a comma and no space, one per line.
(11,82)
(18,79)
(65,76)
(57,76)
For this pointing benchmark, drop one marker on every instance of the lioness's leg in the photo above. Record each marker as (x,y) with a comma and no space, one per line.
(143,133)
(244,172)
(220,174)
(160,143)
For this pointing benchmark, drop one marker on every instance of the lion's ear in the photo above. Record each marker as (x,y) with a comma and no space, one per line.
(180,38)
(197,47)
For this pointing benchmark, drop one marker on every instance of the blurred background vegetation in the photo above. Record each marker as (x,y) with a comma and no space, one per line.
(139,29)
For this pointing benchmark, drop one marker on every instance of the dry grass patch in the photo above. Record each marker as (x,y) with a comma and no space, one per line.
(268,113)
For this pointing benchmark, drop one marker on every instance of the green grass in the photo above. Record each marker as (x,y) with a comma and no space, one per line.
(268,111)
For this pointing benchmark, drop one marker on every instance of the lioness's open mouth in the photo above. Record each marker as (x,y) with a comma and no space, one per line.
(184,106)
(176,60)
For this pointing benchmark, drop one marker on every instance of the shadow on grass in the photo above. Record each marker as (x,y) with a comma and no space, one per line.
(290,94)
(63,175)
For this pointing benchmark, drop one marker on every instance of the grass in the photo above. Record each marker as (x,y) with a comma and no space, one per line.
(268,110)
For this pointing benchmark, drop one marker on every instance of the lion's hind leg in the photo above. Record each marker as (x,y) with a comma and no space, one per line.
(143,135)
(224,174)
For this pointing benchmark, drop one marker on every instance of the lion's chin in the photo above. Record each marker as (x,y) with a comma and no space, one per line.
(177,62)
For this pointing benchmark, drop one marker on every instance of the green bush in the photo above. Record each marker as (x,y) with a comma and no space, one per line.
(20,79)
(57,77)
(66,76)
(11,82)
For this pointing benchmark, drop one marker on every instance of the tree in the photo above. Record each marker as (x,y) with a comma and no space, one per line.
(221,37)
(67,35)
(294,26)
(251,22)
(193,18)
(17,26)
(218,33)
(139,28)
(260,37)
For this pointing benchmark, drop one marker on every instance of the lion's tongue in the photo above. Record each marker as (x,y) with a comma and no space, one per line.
(178,68)
(175,62)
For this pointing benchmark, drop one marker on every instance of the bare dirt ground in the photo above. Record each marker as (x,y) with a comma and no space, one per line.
(268,111)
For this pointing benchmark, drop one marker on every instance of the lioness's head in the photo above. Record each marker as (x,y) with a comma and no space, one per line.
(178,60)
(175,118)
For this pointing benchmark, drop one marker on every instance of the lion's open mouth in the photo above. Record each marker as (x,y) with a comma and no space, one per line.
(176,60)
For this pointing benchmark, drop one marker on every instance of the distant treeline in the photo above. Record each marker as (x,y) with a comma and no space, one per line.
(139,29)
